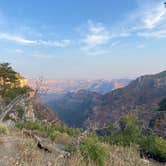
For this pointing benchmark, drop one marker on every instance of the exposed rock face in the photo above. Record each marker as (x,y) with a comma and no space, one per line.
(17,100)
(29,112)
(48,145)
(26,108)
(21,81)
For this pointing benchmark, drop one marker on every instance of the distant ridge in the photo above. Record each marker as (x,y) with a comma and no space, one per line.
(140,97)
(100,86)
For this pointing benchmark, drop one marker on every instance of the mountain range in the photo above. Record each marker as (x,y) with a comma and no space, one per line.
(140,97)
(100,86)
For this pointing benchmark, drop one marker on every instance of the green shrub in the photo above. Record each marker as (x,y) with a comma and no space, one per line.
(155,147)
(65,129)
(10,93)
(30,125)
(129,132)
(3,129)
(92,150)
(52,131)
(54,134)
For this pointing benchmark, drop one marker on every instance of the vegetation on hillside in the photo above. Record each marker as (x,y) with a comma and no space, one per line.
(49,130)
(155,147)
(129,133)
(16,148)
(94,148)
(9,83)
(126,133)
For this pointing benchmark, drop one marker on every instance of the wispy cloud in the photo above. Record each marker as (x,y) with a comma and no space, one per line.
(24,41)
(62,43)
(98,39)
(154,19)
(154,34)
(148,20)
(96,34)
(154,15)
(17,39)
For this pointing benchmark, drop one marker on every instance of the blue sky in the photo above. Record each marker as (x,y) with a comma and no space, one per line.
(83,39)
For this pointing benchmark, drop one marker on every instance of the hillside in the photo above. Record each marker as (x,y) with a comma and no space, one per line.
(17,148)
(140,97)
(18,101)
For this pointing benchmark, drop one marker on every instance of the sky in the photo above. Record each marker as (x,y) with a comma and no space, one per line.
(83,39)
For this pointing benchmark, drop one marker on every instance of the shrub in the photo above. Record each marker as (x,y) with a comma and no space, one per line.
(155,147)
(54,132)
(37,125)
(65,129)
(10,93)
(129,132)
(3,129)
(92,150)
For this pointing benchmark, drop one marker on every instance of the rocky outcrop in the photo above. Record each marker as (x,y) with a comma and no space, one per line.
(26,107)
(18,101)
(47,145)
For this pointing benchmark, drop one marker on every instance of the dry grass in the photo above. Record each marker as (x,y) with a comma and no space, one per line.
(18,149)
(28,151)
(119,156)
(77,160)
(127,156)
